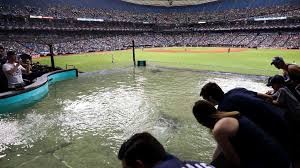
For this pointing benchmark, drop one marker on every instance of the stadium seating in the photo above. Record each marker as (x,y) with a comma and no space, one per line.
(76,29)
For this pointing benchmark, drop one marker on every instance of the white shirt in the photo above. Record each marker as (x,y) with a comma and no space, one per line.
(16,77)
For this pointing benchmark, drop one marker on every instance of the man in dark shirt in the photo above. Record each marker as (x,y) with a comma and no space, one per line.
(2,55)
(3,80)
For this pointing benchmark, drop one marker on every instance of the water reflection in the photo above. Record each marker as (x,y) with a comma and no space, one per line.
(82,122)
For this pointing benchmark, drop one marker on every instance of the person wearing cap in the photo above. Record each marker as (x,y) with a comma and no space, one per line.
(142,150)
(276,82)
(291,70)
(13,72)
(285,98)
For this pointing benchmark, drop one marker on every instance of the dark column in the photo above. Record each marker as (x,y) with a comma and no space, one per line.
(52,57)
(133,52)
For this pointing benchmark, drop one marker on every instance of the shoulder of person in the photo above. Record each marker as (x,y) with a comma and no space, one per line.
(7,66)
(283,89)
(293,67)
(227,126)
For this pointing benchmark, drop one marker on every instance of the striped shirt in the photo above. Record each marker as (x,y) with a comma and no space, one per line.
(173,162)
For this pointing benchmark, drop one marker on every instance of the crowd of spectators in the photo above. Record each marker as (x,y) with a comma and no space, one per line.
(111,41)
(119,28)
(67,25)
(21,24)
(61,11)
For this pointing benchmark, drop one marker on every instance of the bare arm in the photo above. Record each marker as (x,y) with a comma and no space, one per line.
(265,96)
(27,69)
(276,103)
(294,69)
(223,131)
(217,152)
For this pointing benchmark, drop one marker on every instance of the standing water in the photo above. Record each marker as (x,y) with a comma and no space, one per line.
(83,122)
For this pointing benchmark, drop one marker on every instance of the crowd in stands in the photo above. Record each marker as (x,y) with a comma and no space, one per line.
(110,41)
(64,25)
(61,11)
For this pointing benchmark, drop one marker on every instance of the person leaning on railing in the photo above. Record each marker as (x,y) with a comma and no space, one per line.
(13,72)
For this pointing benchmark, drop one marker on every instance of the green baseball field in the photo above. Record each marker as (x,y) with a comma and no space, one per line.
(238,60)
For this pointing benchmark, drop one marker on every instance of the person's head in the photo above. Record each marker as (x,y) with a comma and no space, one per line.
(142,150)
(26,58)
(276,82)
(207,115)
(1,49)
(278,62)
(11,56)
(212,93)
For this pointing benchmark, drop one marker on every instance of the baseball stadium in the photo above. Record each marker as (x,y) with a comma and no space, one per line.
(149,83)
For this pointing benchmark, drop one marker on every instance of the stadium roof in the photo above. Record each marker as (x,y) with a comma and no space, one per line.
(169,3)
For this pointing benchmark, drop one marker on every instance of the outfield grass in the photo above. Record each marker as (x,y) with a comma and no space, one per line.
(251,61)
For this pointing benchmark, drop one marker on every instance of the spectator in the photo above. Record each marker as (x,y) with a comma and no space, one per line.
(3,80)
(276,82)
(13,72)
(283,98)
(242,142)
(2,55)
(292,70)
(142,150)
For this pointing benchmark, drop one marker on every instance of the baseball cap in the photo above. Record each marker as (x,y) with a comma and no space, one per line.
(276,60)
(277,79)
